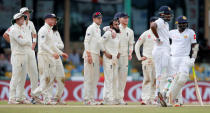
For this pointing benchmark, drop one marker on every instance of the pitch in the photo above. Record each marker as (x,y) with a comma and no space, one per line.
(78,107)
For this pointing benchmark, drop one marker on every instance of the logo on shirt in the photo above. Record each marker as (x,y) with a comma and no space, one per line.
(185,36)
(139,38)
(149,36)
(43,36)
(194,37)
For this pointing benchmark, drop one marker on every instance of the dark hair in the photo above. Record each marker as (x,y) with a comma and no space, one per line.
(55,28)
(111,24)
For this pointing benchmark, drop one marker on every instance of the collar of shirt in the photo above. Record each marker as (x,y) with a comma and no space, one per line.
(17,26)
(98,26)
(121,27)
(48,26)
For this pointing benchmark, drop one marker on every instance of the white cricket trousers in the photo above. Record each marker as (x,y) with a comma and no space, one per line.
(111,76)
(122,76)
(19,63)
(59,78)
(161,59)
(148,85)
(31,70)
(91,76)
(47,69)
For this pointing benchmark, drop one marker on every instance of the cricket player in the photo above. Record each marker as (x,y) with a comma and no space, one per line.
(91,58)
(126,50)
(161,50)
(31,61)
(47,55)
(183,39)
(18,43)
(147,39)
(32,71)
(111,55)
(59,75)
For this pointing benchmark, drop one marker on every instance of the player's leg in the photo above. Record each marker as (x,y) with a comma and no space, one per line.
(160,57)
(88,76)
(32,70)
(122,75)
(146,83)
(115,80)
(179,80)
(95,77)
(60,78)
(14,80)
(152,84)
(108,74)
(20,91)
(47,76)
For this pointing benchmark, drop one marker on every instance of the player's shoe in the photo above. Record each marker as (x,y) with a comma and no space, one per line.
(177,105)
(24,101)
(36,100)
(59,102)
(122,102)
(13,102)
(91,102)
(162,101)
(143,103)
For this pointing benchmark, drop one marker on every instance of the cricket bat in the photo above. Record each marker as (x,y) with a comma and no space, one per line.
(198,94)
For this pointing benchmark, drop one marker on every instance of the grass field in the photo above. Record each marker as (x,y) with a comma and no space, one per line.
(76,107)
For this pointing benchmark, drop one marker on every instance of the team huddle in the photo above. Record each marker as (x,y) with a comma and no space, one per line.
(22,37)
(165,65)
(166,60)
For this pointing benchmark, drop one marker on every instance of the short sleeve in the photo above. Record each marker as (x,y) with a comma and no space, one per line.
(193,37)
(159,23)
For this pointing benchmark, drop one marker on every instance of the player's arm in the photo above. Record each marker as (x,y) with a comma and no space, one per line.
(42,41)
(195,48)
(154,29)
(34,36)
(19,38)
(6,37)
(194,45)
(60,44)
(130,45)
(138,45)
(105,37)
(88,35)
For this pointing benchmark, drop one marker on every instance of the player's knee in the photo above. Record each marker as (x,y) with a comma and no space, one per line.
(63,80)
(47,80)
(182,78)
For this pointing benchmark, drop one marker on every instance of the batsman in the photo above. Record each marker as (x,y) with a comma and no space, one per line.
(183,40)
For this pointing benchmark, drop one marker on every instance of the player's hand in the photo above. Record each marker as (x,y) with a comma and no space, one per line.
(55,55)
(109,56)
(65,55)
(33,45)
(118,55)
(143,58)
(90,60)
(129,57)
(20,36)
(191,62)
(114,34)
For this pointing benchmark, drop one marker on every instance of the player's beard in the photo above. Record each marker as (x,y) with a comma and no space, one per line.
(182,27)
(117,30)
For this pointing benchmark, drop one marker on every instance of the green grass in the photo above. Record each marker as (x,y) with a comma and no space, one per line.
(77,107)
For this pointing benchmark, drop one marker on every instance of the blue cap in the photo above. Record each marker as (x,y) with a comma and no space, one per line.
(181,19)
(97,15)
(165,10)
(122,15)
(152,19)
(117,15)
(50,16)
